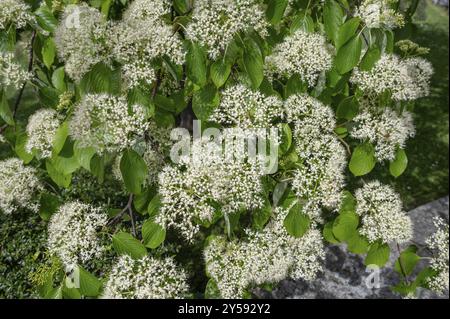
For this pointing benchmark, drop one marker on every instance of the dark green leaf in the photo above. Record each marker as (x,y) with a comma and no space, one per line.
(348,108)
(220,71)
(275,11)
(205,101)
(124,243)
(134,171)
(347,31)
(348,55)
(196,64)
(370,58)
(153,234)
(333,18)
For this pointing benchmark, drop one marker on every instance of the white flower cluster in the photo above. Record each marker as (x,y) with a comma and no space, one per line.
(41,131)
(245,108)
(188,194)
(305,54)
(146,278)
(73,233)
(11,73)
(18,185)
(406,79)
(14,12)
(2,139)
(142,36)
(268,256)
(387,131)
(438,242)
(81,39)
(106,123)
(320,180)
(382,215)
(216,22)
(379,14)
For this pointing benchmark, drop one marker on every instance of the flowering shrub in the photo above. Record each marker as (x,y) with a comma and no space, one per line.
(118,83)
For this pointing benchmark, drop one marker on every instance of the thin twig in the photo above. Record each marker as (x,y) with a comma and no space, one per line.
(127,209)
(347,147)
(30,68)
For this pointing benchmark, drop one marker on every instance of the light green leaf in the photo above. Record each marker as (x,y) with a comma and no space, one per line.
(205,101)
(21,142)
(60,179)
(124,243)
(333,18)
(134,171)
(399,164)
(154,205)
(275,11)
(296,223)
(5,111)
(363,160)
(345,225)
(101,79)
(378,254)
(254,64)
(153,234)
(211,290)
(328,233)
(409,260)
(60,138)
(49,52)
(347,31)
(196,64)
(89,284)
(357,244)
(58,79)
(348,55)
(220,71)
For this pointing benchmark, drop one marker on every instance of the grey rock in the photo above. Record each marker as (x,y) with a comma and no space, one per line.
(345,274)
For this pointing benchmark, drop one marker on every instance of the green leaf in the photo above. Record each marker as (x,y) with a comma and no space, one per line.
(261,216)
(275,11)
(153,234)
(357,244)
(333,18)
(348,55)
(46,19)
(286,138)
(101,79)
(60,138)
(196,64)
(211,290)
(348,204)
(378,254)
(328,233)
(181,6)
(97,167)
(154,205)
(134,171)
(49,52)
(302,22)
(345,225)
(348,108)
(407,261)
(58,79)
(254,64)
(21,141)
(60,179)
(220,71)
(5,111)
(370,58)
(89,284)
(205,101)
(48,205)
(296,223)
(363,160)
(84,155)
(347,31)
(295,85)
(399,164)
(423,277)
(124,243)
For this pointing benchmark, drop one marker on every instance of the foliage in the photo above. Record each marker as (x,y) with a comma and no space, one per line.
(116,76)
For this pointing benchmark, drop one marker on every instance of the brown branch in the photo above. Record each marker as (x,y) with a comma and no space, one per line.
(127,209)
(30,68)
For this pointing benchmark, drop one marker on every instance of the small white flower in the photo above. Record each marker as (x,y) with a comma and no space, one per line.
(387,131)
(41,131)
(72,233)
(80,39)
(11,73)
(379,14)
(216,22)
(438,243)
(406,80)
(382,215)
(305,54)
(15,12)
(18,185)
(106,123)
(146,278)
(268,256)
